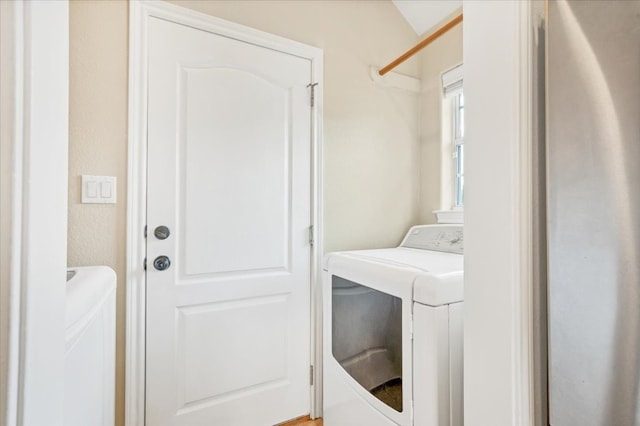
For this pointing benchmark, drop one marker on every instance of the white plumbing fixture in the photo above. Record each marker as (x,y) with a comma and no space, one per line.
(90,347)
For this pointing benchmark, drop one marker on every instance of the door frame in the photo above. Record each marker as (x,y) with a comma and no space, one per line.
(34,111)
(139,14)
(501,242)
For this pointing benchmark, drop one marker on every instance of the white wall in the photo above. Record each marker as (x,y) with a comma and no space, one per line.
(34,199)
(497,209)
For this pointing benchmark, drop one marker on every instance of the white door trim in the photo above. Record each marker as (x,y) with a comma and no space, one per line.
(498,239)
(139,14)
(33,228)
(11,146)
(523,174)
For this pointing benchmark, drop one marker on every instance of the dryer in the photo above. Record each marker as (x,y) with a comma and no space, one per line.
(393,332)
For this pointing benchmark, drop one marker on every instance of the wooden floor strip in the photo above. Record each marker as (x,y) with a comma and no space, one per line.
(302,421)
(316,422)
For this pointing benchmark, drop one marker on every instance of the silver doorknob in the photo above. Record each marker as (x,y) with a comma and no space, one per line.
(161,263)
(162,232)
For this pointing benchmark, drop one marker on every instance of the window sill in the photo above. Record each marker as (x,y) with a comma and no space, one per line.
(450,216)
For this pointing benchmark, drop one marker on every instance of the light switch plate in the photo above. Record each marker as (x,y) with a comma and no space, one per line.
(98,189)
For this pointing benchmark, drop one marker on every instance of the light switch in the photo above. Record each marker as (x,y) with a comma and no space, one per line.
(105,189)
(92,189)
(98,189)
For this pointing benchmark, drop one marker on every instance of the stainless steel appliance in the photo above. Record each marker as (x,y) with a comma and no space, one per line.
(593,184)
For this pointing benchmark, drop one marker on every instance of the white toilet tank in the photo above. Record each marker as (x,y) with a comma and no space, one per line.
(90,347)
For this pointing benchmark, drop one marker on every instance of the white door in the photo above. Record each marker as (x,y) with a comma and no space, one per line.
(229,174)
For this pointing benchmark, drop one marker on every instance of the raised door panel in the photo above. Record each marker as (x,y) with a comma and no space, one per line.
(235,143)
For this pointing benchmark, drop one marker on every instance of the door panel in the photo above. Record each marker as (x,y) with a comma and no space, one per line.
(214,371)
(224,161)
(229,155)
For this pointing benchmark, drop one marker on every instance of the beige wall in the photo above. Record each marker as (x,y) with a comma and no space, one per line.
(98,39)
(441,55)
(371,149)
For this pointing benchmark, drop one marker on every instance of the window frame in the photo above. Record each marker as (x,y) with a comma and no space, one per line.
(452,188)
(457,146)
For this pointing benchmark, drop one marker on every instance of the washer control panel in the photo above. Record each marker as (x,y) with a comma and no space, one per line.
(445,238)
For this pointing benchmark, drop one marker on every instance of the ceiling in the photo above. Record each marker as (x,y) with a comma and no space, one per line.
(423,15)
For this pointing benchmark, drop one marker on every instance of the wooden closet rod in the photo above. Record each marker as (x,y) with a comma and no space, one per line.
(424,43)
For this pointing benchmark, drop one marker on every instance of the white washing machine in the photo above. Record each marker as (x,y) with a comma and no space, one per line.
(393,332)
(90,355)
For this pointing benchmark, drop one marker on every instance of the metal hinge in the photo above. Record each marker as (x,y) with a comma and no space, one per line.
(311,375)
(144,262)
(312,87)
(311,235)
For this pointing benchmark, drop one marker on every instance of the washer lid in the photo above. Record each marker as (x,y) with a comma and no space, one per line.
(434,262)
(87,290)
(439,277)
(437,290)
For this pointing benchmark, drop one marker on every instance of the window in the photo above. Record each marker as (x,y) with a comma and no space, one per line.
(452,178)
(458,146)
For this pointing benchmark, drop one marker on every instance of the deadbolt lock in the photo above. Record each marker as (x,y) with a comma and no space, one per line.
(162,232)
